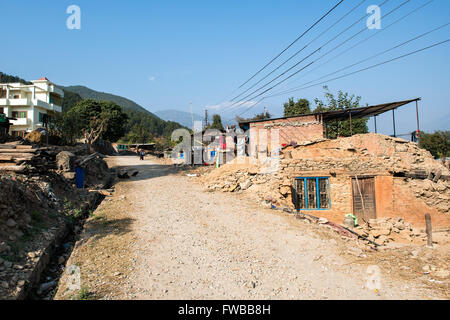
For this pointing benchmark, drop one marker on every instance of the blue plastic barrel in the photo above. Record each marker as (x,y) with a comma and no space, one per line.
(79,177)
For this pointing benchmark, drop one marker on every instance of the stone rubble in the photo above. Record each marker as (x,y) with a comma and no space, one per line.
(386,230)
(427,179)
(36,207)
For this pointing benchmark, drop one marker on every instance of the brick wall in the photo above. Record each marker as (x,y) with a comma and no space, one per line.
(295,129)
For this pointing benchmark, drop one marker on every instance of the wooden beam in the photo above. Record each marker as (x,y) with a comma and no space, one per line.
(8,156)
(429,230)
(16,151)
(13,169)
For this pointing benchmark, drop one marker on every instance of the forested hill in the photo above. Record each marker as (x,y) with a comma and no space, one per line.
(6,78)
(87,93)
(137,114)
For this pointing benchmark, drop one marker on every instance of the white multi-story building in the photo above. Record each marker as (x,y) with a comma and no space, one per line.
(29,104)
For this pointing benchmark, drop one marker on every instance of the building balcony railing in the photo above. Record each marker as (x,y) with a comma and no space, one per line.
(30,102)
(20,122)
(48,106)
(14,102)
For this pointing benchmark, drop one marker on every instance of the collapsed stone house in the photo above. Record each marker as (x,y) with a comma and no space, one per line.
(370,175)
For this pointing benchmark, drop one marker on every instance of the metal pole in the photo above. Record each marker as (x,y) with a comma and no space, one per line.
(393,119)
(418,125)
(375,119)
(417,114)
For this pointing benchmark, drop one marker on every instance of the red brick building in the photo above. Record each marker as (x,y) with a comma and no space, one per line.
(303,129)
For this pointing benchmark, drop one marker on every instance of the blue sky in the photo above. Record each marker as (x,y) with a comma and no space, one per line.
(168,54)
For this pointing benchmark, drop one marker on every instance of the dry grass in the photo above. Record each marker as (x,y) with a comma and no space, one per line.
(104,251)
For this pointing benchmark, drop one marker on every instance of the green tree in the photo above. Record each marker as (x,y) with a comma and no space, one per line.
(140,134)
(91,114)
(117,120)
(260,116)
(438,143)
(343,101)
(217,123)
(156,126)
(291,108)
(66,126)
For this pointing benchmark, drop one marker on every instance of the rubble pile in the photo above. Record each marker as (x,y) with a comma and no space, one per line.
(434,194)
(39,203)
(416,169)
(18,157)
(386,230)
(7,138)
(265,186)
(31,214)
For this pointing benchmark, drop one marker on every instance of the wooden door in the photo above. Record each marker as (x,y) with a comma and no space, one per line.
(364,204)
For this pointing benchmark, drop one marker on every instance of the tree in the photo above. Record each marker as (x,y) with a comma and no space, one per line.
(117,120)
(65,126)
(344,101)
(217,123)
(260,116)
(156,126)
(438,143)
(291,108)
(90,115)
(140,134)
(95,129)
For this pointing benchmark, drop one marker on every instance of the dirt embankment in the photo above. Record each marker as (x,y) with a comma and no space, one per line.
(38,210)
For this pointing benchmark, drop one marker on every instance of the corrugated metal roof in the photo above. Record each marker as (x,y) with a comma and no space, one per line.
(362,112)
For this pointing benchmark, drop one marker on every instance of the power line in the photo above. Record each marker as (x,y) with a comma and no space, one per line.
(367,68)
(299,51)
(317,50)
(376,65)
(359,43)
(246,110)
(290,45)
(362,61)
(298,71)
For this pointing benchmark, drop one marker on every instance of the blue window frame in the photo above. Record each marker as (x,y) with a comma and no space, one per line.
(312,193)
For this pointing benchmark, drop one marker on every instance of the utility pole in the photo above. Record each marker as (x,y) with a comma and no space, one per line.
(206,118)
(192,114)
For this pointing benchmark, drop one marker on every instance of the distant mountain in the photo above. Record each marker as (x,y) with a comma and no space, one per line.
(87,93)
(181,117)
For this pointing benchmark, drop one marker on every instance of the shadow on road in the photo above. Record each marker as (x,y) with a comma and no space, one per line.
(150,171)
(100,228)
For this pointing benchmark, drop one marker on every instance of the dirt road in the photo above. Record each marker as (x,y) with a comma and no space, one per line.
(190,244)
